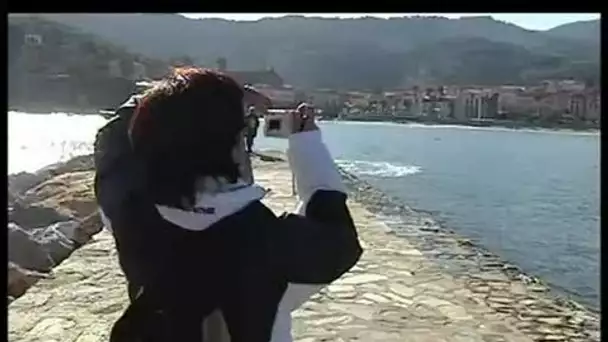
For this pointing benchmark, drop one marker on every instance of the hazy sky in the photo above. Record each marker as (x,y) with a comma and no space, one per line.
(532,21)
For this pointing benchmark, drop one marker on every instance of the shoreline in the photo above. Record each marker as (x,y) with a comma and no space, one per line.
(511,125)
(382,204)
(395,215)
(440,235)
(69,110)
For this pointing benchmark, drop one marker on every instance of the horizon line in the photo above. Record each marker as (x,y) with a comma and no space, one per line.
(528,21)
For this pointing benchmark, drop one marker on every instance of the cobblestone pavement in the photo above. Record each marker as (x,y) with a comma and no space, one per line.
(395,293)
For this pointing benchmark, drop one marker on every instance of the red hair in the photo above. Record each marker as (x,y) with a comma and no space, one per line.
(186,127)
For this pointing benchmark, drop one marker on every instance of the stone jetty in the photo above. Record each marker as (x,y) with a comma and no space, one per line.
(415,282)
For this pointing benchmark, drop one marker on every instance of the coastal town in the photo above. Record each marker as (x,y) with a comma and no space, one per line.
(551,103)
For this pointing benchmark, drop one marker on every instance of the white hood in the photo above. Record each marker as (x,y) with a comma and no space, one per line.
(212,206)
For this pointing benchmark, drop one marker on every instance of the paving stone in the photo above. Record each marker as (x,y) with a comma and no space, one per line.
(402,290)
(362,278)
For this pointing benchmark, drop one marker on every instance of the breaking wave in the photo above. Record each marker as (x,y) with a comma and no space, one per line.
(377,169)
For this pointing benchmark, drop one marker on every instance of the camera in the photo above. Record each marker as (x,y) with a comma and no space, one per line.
(277,123)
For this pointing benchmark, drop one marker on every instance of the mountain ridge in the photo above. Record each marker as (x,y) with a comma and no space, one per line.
(344,53)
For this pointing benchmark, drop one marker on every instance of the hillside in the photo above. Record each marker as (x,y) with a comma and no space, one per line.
(468,60)
(52,65)
(357,53)
(588,30)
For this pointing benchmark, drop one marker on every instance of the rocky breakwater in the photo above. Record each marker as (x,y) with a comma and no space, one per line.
(415,282)
(51,213)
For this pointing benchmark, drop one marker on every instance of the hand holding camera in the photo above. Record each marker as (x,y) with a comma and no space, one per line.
(303,119)
(283,123)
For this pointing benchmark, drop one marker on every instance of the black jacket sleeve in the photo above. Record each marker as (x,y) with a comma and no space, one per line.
(321,246)
(321,243)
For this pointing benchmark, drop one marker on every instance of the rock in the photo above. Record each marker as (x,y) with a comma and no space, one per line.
(26,251)
(71,194)
(20,182)
(526,279)
(78,163)
(538,288)
(511,268)
(88,227)
(429,229)
(465,243)
(33,215)
(19,279)
(27,188)
(51,212)
(67,229)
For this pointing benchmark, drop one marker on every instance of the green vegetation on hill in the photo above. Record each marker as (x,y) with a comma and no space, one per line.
(67,68)
(65,48)
(470,60)
(363,52)
(587,30)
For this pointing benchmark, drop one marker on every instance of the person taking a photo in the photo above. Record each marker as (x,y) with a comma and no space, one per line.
(192,234)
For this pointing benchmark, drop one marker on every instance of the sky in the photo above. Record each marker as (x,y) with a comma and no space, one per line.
(531,21)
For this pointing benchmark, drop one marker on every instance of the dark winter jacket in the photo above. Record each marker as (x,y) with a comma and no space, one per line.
(231,253)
